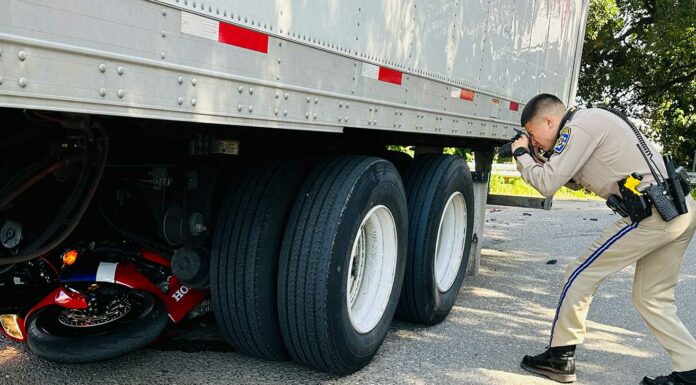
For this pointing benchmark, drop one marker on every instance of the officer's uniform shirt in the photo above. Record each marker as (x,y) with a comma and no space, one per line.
(595,150)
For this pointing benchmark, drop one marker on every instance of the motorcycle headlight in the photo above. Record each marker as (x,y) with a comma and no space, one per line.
(11,326)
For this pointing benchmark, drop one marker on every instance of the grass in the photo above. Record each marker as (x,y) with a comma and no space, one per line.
(693,193)
(516,186)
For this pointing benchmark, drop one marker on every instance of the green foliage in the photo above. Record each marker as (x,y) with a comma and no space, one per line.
(463,152)
(406,149)
(640,56)
(600,14)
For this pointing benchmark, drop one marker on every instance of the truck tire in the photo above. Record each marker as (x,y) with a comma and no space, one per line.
(342,263)
(54,341)
(244,258)
(440,206)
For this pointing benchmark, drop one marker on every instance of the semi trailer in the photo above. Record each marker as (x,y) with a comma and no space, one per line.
(165,158)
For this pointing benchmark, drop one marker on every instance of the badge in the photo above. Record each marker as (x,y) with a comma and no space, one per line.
(562,140)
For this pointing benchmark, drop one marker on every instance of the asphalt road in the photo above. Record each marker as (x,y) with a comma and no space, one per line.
(501,315)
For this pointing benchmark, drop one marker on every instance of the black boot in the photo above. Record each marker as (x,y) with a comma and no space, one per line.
(556,363)
(676,378)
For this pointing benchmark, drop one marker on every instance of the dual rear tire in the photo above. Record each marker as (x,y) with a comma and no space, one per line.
(314,269)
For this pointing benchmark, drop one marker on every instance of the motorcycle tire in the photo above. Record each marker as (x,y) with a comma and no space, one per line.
(53,340)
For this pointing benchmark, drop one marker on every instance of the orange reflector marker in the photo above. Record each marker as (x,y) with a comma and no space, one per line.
(70,257)
(10,325)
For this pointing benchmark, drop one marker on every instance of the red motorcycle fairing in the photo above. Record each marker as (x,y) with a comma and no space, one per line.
(179,299)
(155,257)
(61,296)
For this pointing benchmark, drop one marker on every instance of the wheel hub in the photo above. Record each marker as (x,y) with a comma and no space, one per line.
(371,269)
(96,314)
(451,238)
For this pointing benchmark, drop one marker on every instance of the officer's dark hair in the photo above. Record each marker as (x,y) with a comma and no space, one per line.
(538,104)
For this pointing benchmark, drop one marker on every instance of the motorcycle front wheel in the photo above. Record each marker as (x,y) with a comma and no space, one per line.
(118,321)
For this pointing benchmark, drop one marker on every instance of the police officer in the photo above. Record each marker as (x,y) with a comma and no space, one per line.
(594,149)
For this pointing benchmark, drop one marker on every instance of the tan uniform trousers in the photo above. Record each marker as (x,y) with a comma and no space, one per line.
(657,248)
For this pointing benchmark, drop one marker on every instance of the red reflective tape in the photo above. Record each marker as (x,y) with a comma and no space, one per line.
(514,106)
(389,75)
(242,37)
(466,95)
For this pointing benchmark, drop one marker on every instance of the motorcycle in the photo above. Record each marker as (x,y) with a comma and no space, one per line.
(94,301)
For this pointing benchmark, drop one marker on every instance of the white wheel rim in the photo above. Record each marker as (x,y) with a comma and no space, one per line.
(371,269)
(451,235)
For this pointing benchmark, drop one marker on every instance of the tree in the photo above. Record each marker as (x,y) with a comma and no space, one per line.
(640,57)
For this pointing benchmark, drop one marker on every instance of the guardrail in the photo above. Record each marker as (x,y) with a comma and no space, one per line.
(508,170)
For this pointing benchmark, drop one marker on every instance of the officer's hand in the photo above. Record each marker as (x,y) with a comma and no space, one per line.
(523,141)
(535,154)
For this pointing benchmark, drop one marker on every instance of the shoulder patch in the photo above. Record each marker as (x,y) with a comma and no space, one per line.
(562,140)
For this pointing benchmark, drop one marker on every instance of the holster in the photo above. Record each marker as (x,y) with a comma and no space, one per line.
(638,207)
(668,198)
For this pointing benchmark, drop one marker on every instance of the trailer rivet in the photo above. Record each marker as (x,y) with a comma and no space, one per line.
(275,112)
(239,107)
(180,100)
(240,89)
(369,121)
(306,115)
(251,108)
(316,100)
(346,119)
(102,68)
(119,70)
(180,80)
(22,55)
(162,55)
(375,122)
(278,61)
(164,12)
(315,115)
(339,119)
(251,91)
(164,34)
(102,92)
(22,82)
(286,96)
(194,82)
(308,99)
(194,101)
(285,112)
(120,93)
(370,108)
(277,95)
(340,104)
(347,105)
